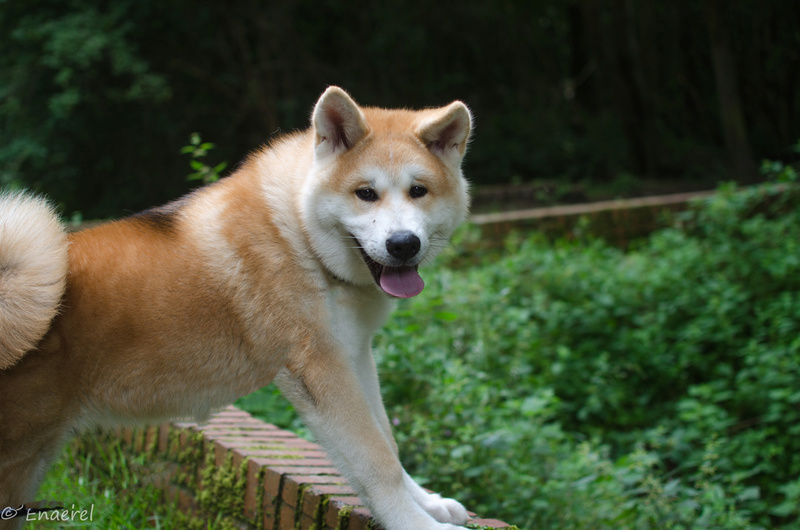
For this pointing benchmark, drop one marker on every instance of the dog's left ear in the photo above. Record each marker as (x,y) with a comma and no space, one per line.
(338,122)
(446,132)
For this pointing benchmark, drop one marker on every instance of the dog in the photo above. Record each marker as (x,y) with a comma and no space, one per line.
(279,272)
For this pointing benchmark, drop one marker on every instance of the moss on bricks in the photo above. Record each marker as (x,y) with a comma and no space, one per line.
(344,518)
(259,492)
(182,521)
(223,487)
(174,444)
(319,512)
(188,459)
(152,447)
(138,440)
(298,510)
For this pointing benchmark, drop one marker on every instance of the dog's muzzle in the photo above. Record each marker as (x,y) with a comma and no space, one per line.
(399,281)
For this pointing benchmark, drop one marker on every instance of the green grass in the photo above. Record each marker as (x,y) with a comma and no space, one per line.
(112,486)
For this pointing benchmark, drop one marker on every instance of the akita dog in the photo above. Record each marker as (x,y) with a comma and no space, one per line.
(282,271)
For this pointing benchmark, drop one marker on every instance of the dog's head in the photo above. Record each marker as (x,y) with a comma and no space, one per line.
(386,189)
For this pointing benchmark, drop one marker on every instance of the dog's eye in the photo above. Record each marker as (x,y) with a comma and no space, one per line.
(418,191)
(367,194)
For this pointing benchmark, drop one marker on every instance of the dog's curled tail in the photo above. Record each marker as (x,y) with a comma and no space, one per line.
(33,272)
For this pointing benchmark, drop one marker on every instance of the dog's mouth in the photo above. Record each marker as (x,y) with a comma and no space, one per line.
(400,282)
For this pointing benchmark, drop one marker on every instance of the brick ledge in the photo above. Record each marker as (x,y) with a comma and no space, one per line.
(260,476)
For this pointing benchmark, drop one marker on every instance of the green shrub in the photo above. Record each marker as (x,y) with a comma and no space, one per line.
(590,386)
(576,385)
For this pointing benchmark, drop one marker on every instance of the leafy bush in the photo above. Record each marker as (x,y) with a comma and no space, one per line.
(576,385)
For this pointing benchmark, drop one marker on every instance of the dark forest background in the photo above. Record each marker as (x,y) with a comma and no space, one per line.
(97,98)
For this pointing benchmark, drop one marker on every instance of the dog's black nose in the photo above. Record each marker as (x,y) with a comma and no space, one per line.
(403,245)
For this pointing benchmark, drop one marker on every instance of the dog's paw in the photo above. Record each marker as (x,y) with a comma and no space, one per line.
(444,510)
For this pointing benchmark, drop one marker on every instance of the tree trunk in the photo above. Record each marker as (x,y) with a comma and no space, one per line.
(621,58)
(582,85)
(734,129)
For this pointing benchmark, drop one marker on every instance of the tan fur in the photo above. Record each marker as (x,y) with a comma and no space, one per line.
(182,309)
(33,269)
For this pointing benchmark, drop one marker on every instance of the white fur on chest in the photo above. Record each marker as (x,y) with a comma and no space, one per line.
(354,315)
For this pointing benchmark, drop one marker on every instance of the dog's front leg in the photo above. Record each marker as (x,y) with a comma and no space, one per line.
(442,509)
(337,401)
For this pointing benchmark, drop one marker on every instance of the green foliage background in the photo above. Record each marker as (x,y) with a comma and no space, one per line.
(97,96)
(576,385)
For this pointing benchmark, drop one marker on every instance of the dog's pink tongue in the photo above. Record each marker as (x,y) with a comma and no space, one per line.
(402,282)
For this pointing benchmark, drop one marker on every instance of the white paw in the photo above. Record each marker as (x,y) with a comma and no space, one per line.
(440,526)
(444,510)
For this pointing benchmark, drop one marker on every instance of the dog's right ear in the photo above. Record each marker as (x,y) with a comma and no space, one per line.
(338,123)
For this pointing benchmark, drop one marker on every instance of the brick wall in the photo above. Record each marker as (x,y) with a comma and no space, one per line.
(252,475)
(618,222)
